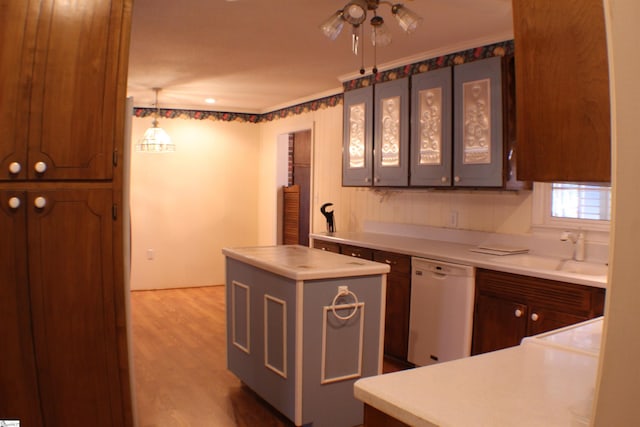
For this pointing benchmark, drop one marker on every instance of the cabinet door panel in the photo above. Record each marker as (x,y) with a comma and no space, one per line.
(391,133)
(16,33)
(544,320)
(398,303)
(75,89)
(562,91)
(18,381)
(357,149)
(497,324)
(72,298)
(431,114)
(478,127)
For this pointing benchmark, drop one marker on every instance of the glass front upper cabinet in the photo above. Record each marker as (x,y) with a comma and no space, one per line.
(431,144)
(391,136)
(357,166)
(478,124)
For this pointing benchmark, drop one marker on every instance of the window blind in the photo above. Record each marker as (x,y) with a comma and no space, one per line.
(580,201)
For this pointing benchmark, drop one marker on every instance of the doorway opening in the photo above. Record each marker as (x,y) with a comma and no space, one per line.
(297,192)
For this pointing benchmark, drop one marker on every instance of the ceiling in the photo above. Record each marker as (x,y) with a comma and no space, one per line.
(257,56)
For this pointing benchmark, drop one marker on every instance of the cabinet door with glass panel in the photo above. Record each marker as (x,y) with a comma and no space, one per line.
(478,125)
(431,145)
(391,136)
(357,156)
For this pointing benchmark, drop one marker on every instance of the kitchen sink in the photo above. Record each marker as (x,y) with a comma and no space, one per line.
(529,261)
(548,263)
(581,267)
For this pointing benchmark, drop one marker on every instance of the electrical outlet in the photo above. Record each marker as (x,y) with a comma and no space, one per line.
(453,219)
(150,254)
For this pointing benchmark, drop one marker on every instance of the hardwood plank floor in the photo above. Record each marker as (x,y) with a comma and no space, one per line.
(180,368)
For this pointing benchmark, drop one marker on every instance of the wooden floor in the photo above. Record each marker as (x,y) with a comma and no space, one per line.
(180,373)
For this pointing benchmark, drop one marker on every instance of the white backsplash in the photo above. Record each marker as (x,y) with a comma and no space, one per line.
(539,245)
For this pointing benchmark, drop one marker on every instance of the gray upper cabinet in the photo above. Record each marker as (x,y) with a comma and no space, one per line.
(391,136)
(478,124)
(357,149)
(431,143)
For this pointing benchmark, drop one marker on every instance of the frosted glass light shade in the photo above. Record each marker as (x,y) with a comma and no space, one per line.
(156,140)
(333,25)
(380,35)
(407,19)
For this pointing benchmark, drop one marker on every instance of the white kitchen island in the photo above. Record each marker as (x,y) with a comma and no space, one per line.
(302,326)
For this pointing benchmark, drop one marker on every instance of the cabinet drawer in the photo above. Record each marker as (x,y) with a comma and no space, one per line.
(400,264)
(568,297)
(357,251)
(326,246)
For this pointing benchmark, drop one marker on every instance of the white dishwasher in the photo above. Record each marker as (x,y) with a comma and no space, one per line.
(441,317)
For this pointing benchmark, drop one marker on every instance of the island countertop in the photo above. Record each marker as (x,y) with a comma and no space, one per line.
(303,263)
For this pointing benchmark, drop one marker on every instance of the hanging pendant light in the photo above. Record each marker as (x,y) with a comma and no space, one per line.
(155,139)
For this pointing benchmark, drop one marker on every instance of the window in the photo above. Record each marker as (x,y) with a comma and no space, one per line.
(578,201)
(571,206)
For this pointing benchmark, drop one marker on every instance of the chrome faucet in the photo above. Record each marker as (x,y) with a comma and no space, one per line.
(577,238)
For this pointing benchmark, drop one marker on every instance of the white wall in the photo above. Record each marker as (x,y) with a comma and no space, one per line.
(495,211)
(220,189)
(618,390)
(187,205)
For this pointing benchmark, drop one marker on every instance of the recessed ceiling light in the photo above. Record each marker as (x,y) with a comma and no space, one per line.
(210,101)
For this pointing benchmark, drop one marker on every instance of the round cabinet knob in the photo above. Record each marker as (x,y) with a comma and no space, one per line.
(40,202)
(456,179)
(444,179)
(15,168)
(535,317)
(376,179)
(518,312)
(14,203)
(367,180)
(40,167)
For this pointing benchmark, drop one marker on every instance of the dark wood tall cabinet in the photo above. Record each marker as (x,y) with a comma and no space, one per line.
(562,91)
(62,112)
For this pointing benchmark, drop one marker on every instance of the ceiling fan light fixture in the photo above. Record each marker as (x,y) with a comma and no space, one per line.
(407,19)
(355,12)
(380,35)
(333,25)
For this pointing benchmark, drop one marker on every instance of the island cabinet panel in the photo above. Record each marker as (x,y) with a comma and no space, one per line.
(301,344)
(509,307)
(398,294)
(562,91)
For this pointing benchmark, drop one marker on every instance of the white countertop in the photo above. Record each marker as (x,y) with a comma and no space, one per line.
(546,381)
(452,252)
(520,386)
(302,263)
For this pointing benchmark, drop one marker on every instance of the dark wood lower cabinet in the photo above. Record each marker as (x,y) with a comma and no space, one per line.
(376,418)
(398,303)
(61,349)
(509,307)
(398,296)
